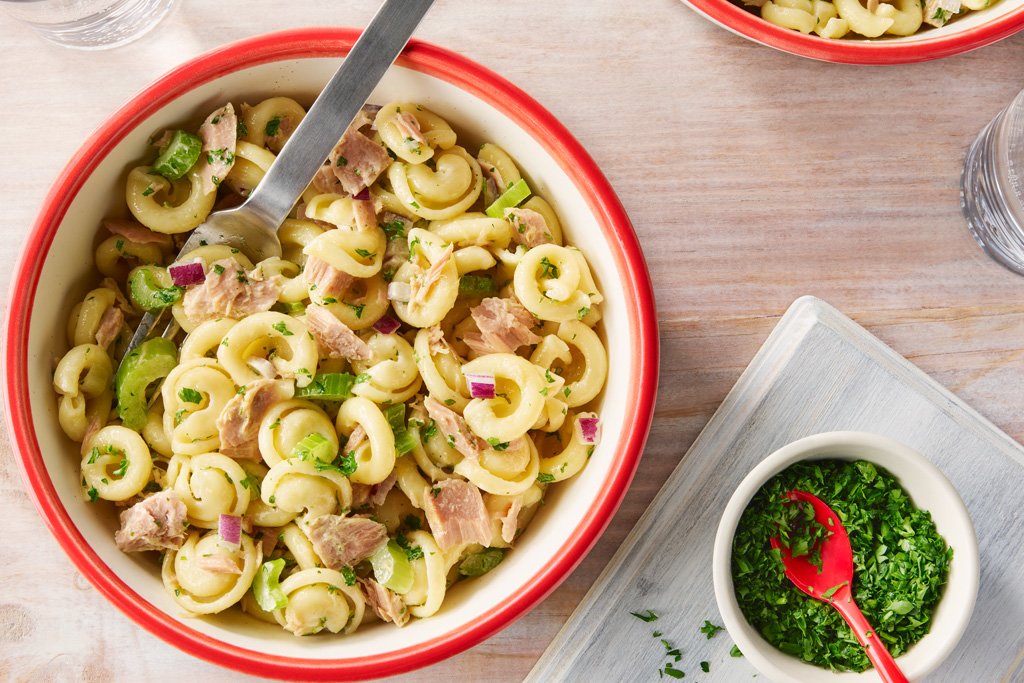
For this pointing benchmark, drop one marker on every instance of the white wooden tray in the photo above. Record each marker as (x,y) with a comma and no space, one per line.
(817,372)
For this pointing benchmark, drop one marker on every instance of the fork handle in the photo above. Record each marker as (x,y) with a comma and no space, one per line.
(335,108)
(879,655)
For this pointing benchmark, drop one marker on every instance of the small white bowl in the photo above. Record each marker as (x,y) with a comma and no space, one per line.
(927,487)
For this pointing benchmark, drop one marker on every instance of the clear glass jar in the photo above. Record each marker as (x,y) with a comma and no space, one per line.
(992,187)
(89,24)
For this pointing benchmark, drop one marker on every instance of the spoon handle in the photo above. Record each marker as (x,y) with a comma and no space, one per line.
(335,108)
(879,655)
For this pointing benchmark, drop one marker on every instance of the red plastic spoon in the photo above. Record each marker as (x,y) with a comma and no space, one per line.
(832,584)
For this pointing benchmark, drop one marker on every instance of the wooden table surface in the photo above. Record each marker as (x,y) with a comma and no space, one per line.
(752,177)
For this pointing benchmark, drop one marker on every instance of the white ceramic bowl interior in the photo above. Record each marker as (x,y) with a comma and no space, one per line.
(69,272)
(926,486)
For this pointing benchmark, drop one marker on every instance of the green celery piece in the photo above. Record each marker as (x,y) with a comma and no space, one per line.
(330,386)
(151,288)
(391,568)
(314,447)
(265,586)
(482,562)
(180,155)
(513,196)
(477,285)
(404,441)
(149,362)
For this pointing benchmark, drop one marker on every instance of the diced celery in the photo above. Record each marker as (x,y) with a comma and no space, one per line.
(477,285)
(404,441)
(482,562)
(314,447)
(180,155)
(151,288)
(391,568)
(513,196)
(150,362)
(265,586)
(331,386)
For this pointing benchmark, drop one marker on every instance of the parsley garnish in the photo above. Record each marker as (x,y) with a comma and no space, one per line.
(283,329)
(735,652)
(342,161)
(190,395)
(710,629)
(902,562)
(583,313)
(496,444)
(93,494)
(366,254)
(545,478)
(219,269)
(273,127)
(548,269)
(647,616)
(349,575)
(358,308)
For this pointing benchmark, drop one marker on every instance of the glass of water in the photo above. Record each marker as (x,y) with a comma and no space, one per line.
(992,187)
(89,24)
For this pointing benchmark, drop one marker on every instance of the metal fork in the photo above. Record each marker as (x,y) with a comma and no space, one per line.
(252,226)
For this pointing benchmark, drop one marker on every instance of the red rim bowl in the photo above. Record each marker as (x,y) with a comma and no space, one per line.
(962,35)
(485,85)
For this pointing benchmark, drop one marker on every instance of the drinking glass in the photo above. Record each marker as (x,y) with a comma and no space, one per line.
(992,187)
(89,24)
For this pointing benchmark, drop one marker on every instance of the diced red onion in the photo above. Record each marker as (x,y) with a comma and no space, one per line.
(185,274)
(386,325)
(480,385)
(363,195)
(230,529)
(399,291)
(590,429)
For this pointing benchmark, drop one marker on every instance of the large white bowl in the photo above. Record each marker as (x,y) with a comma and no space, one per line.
(926,486)
(57,268)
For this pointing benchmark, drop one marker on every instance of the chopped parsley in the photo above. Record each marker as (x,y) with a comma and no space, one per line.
(647,616)
(705,667)
(342,161)
(93,494)
(545,478)
(219,269)
(273,127)
(902,563)
(365,253)
(393,229)
(496,444)
(710,629)
(283,329)
(583,313)
(358,308)
(349,575)
(190,395)
(548,269)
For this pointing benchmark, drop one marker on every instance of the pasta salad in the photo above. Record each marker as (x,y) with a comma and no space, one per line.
(339,434)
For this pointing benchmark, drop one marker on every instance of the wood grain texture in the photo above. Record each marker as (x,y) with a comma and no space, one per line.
(818,372)
(752,177)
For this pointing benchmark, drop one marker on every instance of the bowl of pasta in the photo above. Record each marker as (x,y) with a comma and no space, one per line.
(421,415)
(868,31)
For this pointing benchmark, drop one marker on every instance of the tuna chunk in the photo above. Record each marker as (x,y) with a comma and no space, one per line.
(421,283)
(456,514)
(239,421)
(345,541)
(504,326)
(436,342)
(325,279)
(379,492)
(365,213)
(110,326)
(409,127)
(156,523)
(219,564)
(219,134)
(136,232)
(334,337)
(510,520)
(230,292)
(357,161)
(326,181)
(388,606)
(528,227)
(454,428)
